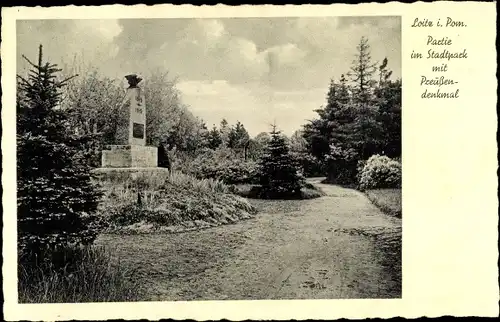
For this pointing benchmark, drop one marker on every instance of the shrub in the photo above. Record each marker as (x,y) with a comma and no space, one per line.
(309,191)
(180,199)
(76,274)
(380,172)
(341,163)
(310,166)
(222,164)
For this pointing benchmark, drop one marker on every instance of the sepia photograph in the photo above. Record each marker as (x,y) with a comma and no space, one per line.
(192,159)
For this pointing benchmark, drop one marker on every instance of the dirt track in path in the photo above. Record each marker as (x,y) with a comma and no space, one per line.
(337,246)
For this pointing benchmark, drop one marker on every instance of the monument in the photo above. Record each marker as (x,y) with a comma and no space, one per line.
(130,154)
(130,149)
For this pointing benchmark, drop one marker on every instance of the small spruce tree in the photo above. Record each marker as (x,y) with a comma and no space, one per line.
(278,174)
(56,198)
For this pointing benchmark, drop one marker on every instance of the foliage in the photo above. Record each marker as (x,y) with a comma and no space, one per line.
(309,191)
(214,138)
(95,106)
(389,115)
(168,119)
(278,171)
(179,200)
(362,72)
(76,275)
(238,137)
(224,130)
(56,198)
(308,164)
(380,172)
(257,145)
(360,119)
(342,164)
(221,164)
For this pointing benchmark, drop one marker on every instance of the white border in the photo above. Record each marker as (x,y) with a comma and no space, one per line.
(442,274)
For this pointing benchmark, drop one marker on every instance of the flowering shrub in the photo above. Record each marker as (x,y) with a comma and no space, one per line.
(380,172)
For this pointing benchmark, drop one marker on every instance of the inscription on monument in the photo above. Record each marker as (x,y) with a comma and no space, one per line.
(138,131)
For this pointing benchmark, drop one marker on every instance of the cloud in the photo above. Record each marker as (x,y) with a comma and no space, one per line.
(253,69)
(92,41)
(256,106)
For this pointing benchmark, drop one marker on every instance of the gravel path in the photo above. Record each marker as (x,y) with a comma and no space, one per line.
(337,246)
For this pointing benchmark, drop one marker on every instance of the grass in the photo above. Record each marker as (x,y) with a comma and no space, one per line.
(132,203)
(179,202)
(309,191)
(77,274)
(387,200)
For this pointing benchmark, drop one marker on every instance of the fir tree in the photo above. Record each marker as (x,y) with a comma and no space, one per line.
(224,132)
(362,72)
(56,198)
(278,173)
(239,139)
(388,95)
(214,138)
(335,120)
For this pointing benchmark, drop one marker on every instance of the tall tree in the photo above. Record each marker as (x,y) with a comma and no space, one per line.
(389,115)
(367,130)
(362,72)
(334,122)
(224,132)
(238,136)
(56,198)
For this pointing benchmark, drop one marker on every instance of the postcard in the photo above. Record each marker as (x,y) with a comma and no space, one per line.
(249,162)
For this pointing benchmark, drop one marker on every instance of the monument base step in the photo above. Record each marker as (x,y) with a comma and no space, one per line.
(117,175)
(130,156)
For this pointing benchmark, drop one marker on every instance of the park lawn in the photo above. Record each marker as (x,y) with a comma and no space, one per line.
(387,200)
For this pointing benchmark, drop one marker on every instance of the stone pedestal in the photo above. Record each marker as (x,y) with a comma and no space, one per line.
(130,156)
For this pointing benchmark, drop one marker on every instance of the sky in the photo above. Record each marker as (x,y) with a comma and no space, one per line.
(254,70)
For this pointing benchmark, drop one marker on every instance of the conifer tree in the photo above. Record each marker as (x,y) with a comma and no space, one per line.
(362,72)
(56,198)
(214,138)
(367,128)
(278,173)
(224,130)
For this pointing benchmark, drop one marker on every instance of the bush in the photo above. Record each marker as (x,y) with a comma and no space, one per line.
(341,163)
(309,191)
(74,275)
(222,164)
(380,172)
(179,200)
(309,165)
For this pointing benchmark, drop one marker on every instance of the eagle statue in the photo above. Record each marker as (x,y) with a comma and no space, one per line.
(133,80)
